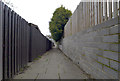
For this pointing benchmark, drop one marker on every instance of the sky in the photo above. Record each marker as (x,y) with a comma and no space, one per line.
(40,12)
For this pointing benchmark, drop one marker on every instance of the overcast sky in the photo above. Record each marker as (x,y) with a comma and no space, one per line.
(40,12)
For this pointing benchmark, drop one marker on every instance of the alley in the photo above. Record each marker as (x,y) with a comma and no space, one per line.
(52,65)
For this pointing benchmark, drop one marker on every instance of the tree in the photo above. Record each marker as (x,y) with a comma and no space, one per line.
(58,21)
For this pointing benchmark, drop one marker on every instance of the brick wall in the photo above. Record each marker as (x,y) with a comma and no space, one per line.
(95,50)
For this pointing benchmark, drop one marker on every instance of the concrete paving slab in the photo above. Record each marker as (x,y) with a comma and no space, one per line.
(53,65)
(72,76)
(51,76)
(41,76)
(27,76)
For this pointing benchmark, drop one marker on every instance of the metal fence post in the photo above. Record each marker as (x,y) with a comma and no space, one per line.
(1,50)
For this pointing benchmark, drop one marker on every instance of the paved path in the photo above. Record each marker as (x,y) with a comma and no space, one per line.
(52,65)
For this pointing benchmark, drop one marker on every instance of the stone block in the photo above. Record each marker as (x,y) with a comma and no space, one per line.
(97,65)
(103,32)
(112,38)
(103,60)
(82,64)
(104,46)
(113,74)
(114,64)
(88,49)
(98,51)
(111,55)
(114,47)
(84,46)
(114,30)
(98,39)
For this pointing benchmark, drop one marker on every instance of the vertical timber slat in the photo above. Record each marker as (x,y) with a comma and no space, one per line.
(115,13)
(110,9)
(10,44)
(1,38)
(15,42)
(6,49)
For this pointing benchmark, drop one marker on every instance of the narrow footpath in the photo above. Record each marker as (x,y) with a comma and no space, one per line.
(52,65)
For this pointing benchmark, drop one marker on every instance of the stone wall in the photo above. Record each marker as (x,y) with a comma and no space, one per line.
(95,50)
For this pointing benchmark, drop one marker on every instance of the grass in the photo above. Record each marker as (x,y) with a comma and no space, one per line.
(23,69)
(38,58)
(46,60)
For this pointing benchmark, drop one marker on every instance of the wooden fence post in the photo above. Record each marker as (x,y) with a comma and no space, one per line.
(105,10)
(93,13)
(110,9)
(98,9)
(82,25)
(90,13)
(119,8)
(115,11)
(1,49)
(96,13)
(101,11)
(88,16)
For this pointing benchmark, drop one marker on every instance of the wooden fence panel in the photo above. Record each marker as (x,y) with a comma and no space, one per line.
(92,13)
(15,42)
(1,38)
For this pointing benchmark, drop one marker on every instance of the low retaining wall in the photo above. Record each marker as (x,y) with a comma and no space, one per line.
(95,50)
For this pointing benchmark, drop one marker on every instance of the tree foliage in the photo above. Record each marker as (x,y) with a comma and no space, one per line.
(58,21)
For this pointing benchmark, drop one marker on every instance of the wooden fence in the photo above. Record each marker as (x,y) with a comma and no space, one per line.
(20,42)
(39,44)
(91,13)
(1,50)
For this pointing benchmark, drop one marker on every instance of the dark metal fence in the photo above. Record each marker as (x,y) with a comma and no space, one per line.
(22,42)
